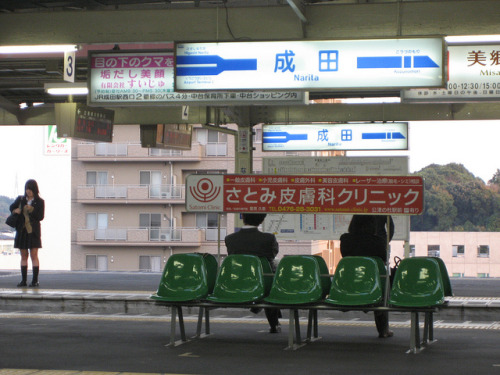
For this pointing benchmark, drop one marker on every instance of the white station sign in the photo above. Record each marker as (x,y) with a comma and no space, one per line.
(473,74)
(310,65)
(323,137)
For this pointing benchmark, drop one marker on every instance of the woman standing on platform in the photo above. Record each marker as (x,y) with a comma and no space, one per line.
(31,209)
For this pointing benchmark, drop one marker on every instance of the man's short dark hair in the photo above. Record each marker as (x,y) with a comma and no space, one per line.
(253,219)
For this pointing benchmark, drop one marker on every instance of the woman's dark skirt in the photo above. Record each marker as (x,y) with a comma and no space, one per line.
(27,240)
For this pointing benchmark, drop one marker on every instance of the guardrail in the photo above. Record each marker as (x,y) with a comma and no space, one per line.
(148,235)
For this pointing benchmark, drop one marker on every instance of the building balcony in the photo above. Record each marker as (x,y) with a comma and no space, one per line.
(130,152)
(130,194)
(147,237)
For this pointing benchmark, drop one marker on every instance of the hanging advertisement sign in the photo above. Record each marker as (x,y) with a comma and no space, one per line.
(473,75)
(382,195)
(128,78)
(310,65)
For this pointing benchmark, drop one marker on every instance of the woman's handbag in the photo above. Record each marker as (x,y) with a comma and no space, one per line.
(397,260)
(12,219)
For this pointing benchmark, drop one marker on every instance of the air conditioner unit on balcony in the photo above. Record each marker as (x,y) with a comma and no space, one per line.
(166,195)
(165,237)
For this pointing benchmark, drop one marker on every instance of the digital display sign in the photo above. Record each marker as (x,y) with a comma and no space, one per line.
(77,120)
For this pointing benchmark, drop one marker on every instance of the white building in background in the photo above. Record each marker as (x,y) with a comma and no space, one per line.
(466,254)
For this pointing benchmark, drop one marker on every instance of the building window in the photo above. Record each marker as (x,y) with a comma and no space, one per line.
(215,142)
(149,263)
(433,250)
(151,222)
(97,178)
(483,275)
(458,250)
(208,222)
(152,179)
(96,263)
(257,135)
(412,251)
(483,251)
(457,274)
(99,223)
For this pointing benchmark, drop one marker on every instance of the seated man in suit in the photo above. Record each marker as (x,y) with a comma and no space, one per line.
(249,240)
(362,240)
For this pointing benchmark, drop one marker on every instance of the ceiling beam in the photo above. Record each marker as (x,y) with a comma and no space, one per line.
(325,21)
(284,114)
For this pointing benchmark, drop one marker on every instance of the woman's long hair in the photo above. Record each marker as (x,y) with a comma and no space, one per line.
(33,186)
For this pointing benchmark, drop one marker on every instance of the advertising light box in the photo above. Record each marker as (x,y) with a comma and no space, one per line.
(299,194)
(310,65)
(323,137)
(128,78)
(473,75)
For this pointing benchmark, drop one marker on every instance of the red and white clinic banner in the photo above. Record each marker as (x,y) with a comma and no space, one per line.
(382,195)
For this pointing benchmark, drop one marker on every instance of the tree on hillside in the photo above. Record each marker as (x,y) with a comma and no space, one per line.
(456,200)
(495,180)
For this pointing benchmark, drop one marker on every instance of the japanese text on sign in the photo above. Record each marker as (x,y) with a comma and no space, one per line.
(395,195)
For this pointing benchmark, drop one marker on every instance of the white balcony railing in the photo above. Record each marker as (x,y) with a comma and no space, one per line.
(150,234)
(130,192)
(88,150)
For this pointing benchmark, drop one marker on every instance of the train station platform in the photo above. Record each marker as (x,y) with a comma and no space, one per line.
(128,293)
(84,323)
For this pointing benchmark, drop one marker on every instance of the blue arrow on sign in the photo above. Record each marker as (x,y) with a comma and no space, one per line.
(282,137)
(211,65)
(388,135)
(394,62)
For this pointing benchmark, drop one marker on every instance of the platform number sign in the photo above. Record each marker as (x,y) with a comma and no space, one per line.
(69,66)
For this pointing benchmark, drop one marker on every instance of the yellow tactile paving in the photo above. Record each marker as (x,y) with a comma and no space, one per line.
(12,371)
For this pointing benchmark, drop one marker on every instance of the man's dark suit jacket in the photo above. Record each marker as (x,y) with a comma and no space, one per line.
(254,242)
(363,244)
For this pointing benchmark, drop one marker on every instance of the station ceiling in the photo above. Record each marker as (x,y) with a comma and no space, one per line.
(108,24)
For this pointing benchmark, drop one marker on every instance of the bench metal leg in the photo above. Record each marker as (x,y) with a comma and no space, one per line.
(429,329)
(294,340)
(201,312)
(414,334)
(200,322)
(177,310)
(207,321)
(312,326)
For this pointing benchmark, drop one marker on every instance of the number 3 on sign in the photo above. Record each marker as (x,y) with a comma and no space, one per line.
(69,66)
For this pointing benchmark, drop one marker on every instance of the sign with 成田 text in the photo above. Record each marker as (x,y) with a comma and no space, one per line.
(147,77)
(473,75)
(324,137)
(310,65)
(381,195)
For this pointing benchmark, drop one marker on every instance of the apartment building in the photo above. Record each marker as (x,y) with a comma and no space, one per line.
(128,211)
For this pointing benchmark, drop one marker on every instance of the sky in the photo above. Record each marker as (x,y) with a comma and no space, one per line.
(475,144)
